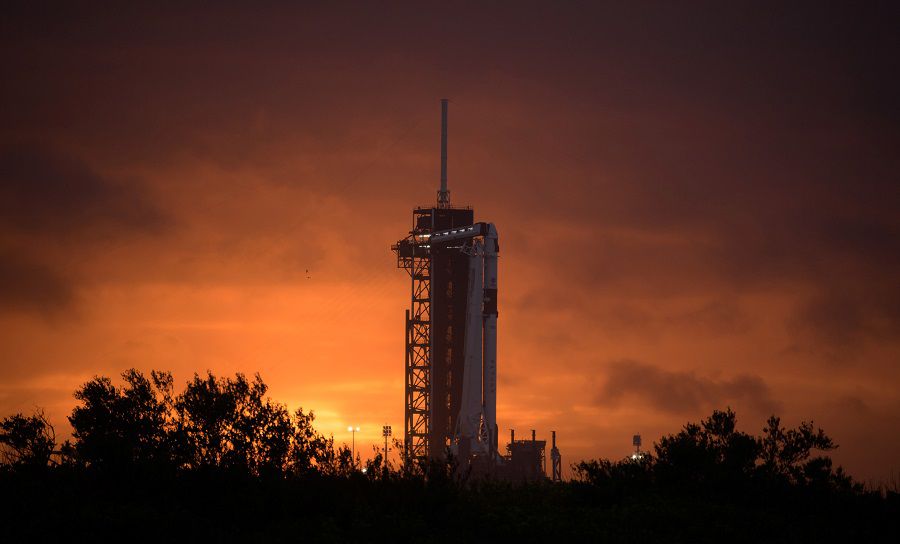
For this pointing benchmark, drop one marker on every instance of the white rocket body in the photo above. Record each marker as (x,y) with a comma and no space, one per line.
(476,429)
(470,413)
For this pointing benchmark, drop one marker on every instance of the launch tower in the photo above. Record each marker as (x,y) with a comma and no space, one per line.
(451,329)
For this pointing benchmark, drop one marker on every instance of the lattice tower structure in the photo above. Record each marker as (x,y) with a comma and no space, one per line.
(435,325)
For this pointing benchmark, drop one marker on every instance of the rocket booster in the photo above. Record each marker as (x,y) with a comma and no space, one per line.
(489,313)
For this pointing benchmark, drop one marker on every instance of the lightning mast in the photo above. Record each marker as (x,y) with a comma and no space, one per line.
(443,197)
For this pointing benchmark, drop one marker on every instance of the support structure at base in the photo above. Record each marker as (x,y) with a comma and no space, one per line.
(555,461)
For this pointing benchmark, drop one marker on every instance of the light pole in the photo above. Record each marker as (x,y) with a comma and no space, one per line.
(353,430)
(386,432)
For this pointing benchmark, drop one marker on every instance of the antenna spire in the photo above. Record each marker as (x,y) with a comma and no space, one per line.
(443,199)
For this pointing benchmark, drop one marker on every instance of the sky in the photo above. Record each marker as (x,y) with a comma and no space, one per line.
(697,206)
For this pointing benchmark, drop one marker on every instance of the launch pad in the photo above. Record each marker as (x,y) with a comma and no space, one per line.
(450,397)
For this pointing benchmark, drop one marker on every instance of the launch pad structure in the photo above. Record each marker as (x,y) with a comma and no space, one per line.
(450,393)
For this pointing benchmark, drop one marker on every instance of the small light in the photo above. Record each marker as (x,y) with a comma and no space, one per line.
(349,429)
(364,470)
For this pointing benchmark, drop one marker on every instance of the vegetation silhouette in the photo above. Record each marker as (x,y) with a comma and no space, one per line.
(220,461)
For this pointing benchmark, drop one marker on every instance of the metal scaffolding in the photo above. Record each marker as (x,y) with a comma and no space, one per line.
(414,256)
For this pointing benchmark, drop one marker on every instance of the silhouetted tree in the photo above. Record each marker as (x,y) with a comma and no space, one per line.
(27,441)
(336,462)
(375,468)
(787,454)
(228,423)
(631,473)
(715,455)
(310,450)
(118,427)
(713,452)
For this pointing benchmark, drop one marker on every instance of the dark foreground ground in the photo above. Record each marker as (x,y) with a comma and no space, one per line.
(218,507)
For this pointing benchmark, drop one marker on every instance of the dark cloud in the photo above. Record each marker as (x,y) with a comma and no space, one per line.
(681,392)
(32,287)
(716,317)
(852,405)
(840,320)
(53,210)
(44,192)
(607,313)
(856,300)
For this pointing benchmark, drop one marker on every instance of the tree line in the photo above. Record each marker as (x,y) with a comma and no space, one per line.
(714,456)
(214,423)
(221,461)
(230,424)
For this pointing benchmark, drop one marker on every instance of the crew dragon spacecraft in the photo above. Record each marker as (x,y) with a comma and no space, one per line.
(451,330)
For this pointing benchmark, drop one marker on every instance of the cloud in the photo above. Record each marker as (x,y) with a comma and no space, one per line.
(681,392)
(30,286)
(54,209)
(842,318)
(46,193)
(716,317)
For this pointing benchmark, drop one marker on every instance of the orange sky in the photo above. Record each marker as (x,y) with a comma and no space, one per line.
(697,208)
